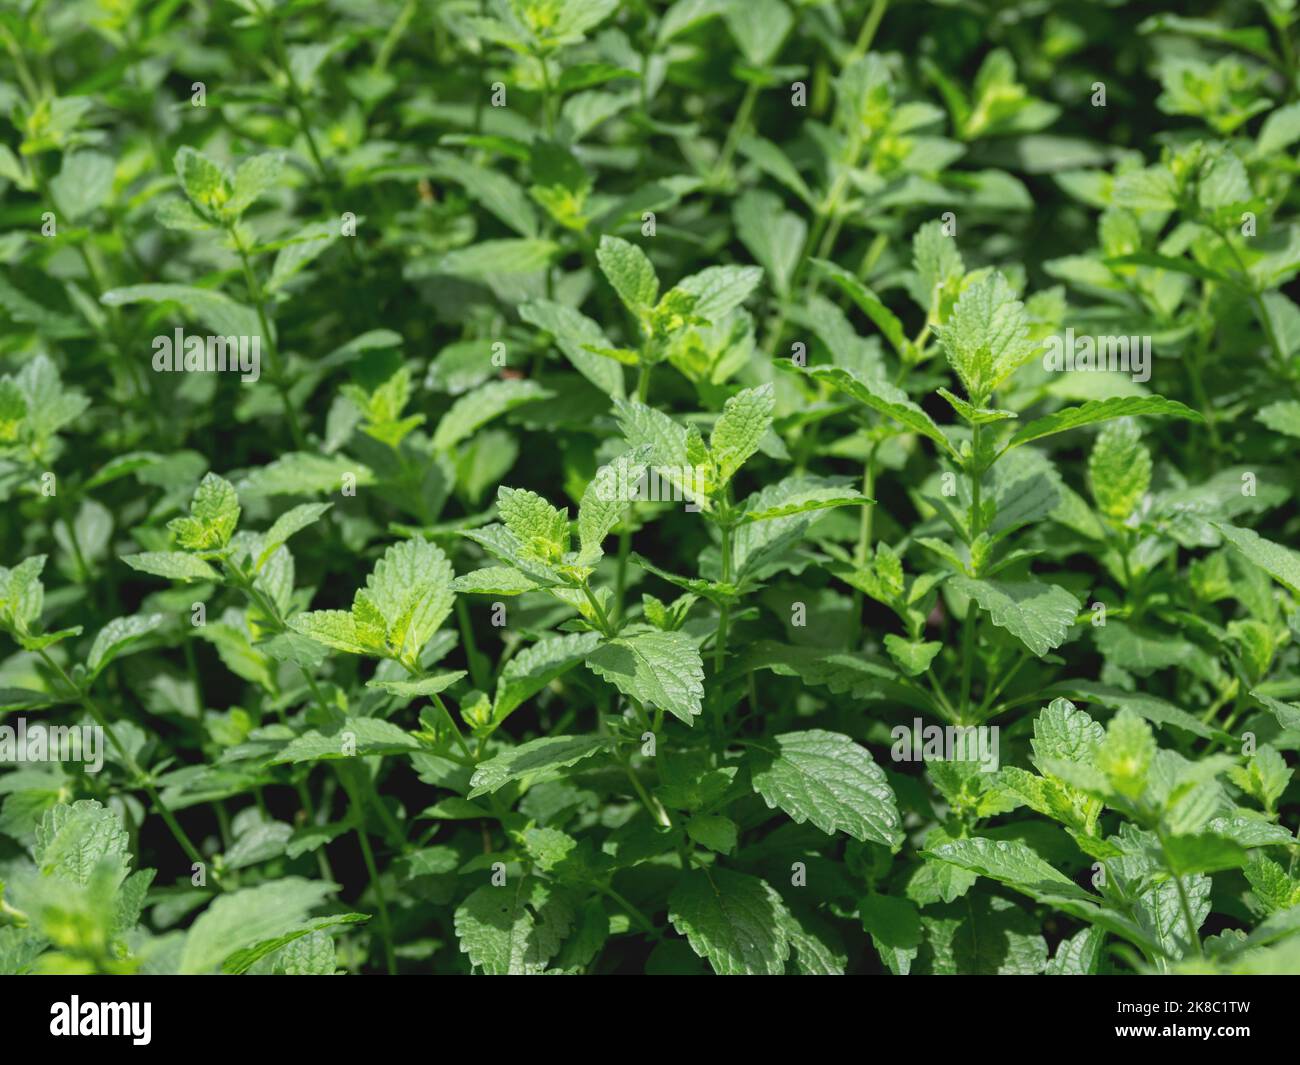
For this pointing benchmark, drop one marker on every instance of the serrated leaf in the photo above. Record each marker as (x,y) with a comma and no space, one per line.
(357,737)
(514,929)
(661,670)
(885,398)
(627,268)
(1099,410)
(1280,563)
(475,409)
(1038,615)
(533,668)
(236,921)
(745,419)
(174,565)
(826,778)
(735,921)
(544,755)
(117,636)
(986,338)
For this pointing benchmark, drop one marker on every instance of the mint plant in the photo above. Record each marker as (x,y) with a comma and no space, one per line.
(565,487)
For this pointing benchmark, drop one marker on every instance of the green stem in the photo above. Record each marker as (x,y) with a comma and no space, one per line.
(738,125)
(259,302)
(144,780)
(605,627)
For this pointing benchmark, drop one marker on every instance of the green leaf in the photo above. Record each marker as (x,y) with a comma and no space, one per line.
(973,415)
(237,921)
(174,565)
(1280,563)
(356,737)
(1009,862)
(1038,615)
(1100,410)
(117,637)
(773,235)
(986,338)
(627,268)
(295,963)
(255,175)
(514,929)
(83,185)
(714,831)
(474,410)
(218,312)
(885,319)
(411,587)
(544,755)
(71,840)
(885,398)
(745,419)
(412,689)
(735,921)
(1119,470)
(719,290)
(533,668)
(202,179)
(1282,416)
(575,334)
(338,629)
(286,525)
(214,512)
(913,657)
(300,473)
(661,670)
(604,504)
(826,778)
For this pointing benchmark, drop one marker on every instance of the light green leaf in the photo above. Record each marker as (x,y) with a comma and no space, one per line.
(286,525)
(533,668)
(117,636)
(986,338)
(357,737)
(412,689)
(475,409)
(662,670)
(882,396)
(301,473)
(248,916)
(1100,410)
(544,755)
(745,419)
(1010,862)
(604,502)
(628,269)
(735,921)
(338,629)
(174,565)
(826,778)
(1119,469)
(872,306)
(1038,615)
(218,312)
(514,929)
(1280,563)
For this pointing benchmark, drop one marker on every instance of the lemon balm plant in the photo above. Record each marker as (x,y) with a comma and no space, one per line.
(750,488)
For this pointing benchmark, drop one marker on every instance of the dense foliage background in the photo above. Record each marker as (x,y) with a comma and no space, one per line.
(814,250)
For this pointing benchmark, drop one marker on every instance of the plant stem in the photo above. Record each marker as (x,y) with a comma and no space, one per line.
(259,302)
(724,612)
(145,781)
(605,627)
(738,125)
